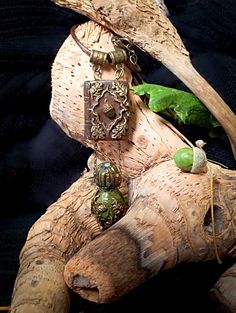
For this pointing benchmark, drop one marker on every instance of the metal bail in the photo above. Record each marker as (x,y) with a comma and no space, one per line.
(98,57)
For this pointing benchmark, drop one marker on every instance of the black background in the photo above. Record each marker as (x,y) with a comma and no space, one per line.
(38,161)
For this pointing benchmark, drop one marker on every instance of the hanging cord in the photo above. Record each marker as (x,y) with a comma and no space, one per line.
(82,47)
(121,44)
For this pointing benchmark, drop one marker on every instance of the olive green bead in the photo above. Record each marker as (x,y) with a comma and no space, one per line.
(107,175)
(184,159)
(108,206)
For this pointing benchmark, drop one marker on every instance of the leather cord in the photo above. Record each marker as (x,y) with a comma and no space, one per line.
(82,47)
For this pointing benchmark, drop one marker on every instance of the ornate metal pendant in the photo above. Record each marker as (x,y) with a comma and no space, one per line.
(109,204)
(106,109)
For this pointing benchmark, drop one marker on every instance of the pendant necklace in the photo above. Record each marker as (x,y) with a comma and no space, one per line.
(107,111)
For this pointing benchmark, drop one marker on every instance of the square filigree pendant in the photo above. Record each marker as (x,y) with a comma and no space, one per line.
(107,109)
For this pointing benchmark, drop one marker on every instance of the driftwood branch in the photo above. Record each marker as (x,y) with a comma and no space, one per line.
(168,221)
(151,140)
(146,154)
(66,226)
(147,25)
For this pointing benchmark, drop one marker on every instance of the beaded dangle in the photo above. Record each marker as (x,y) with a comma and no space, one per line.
(107,111)
(109,204)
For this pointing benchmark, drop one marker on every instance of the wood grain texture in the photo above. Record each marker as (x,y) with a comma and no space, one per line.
(150,138)
(147,25)
(66,226)
(168,220)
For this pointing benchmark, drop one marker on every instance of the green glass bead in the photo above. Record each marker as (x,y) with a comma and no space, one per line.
(108,206)
(184,159)
(107,175)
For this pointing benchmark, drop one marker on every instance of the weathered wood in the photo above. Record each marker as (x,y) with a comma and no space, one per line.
(66,226)
(223,293)
(168,222)
(151,140)
(147,25)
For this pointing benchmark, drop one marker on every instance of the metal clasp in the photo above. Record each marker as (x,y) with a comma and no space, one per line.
(125,43)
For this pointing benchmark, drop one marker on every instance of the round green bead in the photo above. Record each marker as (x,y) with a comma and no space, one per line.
(184,159)
(107,175)
(109,206)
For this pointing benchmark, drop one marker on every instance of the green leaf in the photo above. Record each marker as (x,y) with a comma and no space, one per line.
(185,107)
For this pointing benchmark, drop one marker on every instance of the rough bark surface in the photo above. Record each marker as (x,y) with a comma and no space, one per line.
(146,24)
(54,238)
(168,222)
(151,140)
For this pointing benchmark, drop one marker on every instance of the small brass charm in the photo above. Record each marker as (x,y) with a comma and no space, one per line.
(109,204)
(108,109)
